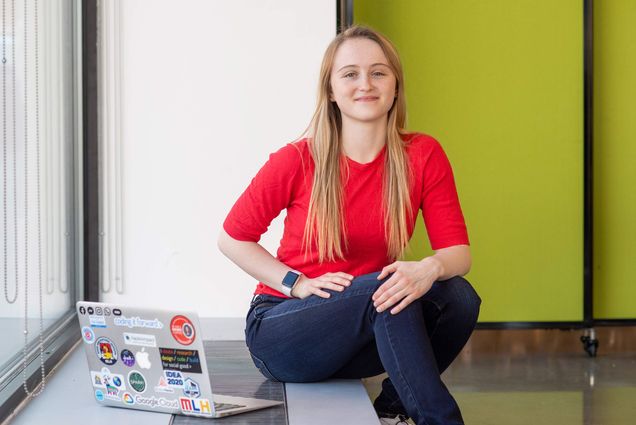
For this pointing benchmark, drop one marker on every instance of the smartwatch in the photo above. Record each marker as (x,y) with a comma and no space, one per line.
(289,281)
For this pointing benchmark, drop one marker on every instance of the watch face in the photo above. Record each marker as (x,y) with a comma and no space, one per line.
(290,279)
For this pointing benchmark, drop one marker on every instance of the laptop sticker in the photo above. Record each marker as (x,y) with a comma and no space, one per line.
(88,335)
(137,381)
(174,378)
(82,310)
(180,359)
(128,399)
(193,406)
(142,359)
(191,388)
(162,386)
(99,395)
(90,310)
(182,330)
(137,322)
(127,358)
(105,379)
(157,402)
(117,312)
(106,311)
(106,351)
(99,311)
(97,321)
(143,340)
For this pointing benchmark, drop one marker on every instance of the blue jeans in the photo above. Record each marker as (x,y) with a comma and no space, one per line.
(343,336)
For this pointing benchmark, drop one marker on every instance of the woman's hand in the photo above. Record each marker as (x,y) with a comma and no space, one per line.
(410,280)
(306,286)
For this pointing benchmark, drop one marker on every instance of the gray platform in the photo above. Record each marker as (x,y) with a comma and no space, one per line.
(68,397)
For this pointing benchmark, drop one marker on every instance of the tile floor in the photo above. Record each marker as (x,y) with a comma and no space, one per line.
(519,377)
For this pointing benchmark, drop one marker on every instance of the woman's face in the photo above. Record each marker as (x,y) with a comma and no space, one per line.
(362,83)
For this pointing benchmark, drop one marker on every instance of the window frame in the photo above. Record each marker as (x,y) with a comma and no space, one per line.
(64,334)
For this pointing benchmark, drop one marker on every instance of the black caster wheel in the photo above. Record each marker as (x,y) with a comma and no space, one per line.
(590,345)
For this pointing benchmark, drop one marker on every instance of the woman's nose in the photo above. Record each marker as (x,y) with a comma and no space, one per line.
(365,81)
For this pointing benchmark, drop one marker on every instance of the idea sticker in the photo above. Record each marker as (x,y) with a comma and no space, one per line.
(182,330)
(106,351)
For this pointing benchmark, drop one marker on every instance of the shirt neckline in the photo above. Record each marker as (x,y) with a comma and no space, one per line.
(356,164)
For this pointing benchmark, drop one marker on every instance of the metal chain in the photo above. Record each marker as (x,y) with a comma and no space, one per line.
(15,149)
(13,299)
(26,187)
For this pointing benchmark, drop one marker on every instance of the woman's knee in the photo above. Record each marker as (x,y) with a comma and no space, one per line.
(463,296)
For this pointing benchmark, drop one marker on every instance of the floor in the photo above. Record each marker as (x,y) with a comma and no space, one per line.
(519,377)
(512,377)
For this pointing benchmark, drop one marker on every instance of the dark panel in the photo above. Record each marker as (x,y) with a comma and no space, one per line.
(233,373)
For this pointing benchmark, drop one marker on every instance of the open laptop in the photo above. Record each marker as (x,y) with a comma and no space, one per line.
(152,360)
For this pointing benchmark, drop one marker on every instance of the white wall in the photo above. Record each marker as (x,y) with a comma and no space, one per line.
(207,90)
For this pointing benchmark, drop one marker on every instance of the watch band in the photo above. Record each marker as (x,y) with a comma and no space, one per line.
(287,284)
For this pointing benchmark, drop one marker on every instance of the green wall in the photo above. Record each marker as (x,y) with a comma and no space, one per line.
(614,159)
(499,84)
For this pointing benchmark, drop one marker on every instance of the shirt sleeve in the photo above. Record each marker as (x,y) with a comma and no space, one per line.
(440,203)
(269,192)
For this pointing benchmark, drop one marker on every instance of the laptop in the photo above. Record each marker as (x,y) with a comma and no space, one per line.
(153,360)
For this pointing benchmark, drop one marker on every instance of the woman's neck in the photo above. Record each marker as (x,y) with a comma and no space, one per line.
(362,141)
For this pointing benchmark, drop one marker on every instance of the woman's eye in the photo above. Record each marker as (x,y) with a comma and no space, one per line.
(378,73)
(349,74)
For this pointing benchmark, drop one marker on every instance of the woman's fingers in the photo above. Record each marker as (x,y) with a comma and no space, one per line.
(387,269)
(336,280)
(321,293)
(405,302)
(393,299)
(380,295)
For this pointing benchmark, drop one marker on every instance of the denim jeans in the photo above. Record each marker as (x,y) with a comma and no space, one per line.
(343,336)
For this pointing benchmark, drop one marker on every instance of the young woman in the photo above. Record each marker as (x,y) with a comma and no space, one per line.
(336,302)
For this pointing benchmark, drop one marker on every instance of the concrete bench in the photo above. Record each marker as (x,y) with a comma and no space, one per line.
(68,397)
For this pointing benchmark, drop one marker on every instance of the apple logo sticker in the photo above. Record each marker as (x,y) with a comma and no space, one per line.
(142,359)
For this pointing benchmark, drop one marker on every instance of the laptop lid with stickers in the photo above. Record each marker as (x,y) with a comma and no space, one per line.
(146,359)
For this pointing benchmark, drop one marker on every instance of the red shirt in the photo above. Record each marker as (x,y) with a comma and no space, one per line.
(285,182)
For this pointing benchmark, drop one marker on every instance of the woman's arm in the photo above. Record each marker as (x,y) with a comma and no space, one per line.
(451,261)
(253,259)
(261,265)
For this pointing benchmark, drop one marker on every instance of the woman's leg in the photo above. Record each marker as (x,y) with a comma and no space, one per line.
(450,308)
(312,339)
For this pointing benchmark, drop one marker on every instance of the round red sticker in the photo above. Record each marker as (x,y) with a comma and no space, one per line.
(182,330)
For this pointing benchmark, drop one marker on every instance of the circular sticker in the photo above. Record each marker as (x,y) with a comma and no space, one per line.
(127,358)
(106,351)
(88,335)
(128,398)
(182,330)
(99,395)
(137,381)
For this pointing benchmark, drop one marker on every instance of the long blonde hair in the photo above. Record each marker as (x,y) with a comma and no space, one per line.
(325,220)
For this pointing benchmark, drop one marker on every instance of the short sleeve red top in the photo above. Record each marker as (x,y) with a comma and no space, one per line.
(285,182)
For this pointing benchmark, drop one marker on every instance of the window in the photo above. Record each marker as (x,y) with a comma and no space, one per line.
(41,202)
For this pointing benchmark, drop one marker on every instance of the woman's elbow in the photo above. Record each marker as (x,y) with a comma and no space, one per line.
(222,242)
